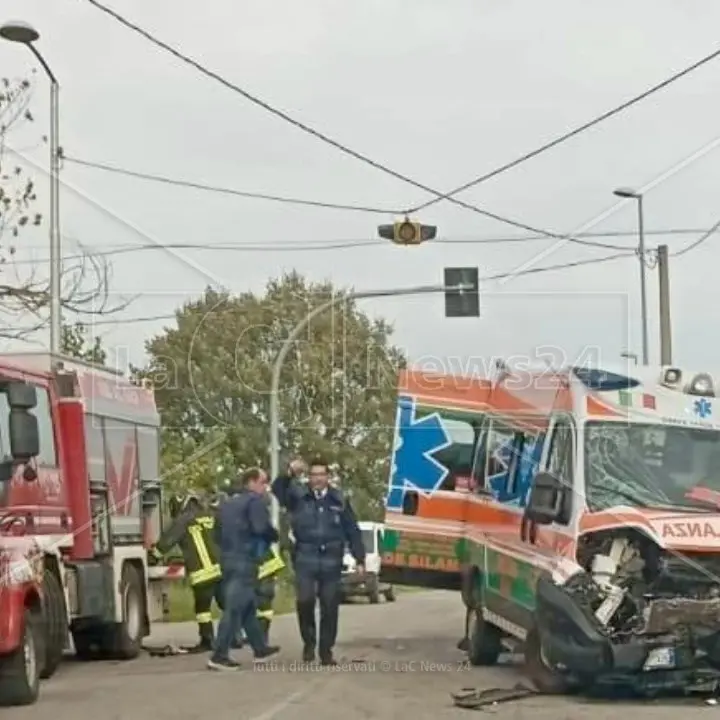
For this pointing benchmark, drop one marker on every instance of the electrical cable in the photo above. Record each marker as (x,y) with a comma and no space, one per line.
(277,112)
(696,243)
(194,185)
(321,246)
(498,276)
(225,190)
(570,134)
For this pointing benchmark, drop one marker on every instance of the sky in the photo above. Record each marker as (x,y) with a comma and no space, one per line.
(442,92)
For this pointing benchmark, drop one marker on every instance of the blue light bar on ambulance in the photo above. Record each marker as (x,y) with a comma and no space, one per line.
(596,379)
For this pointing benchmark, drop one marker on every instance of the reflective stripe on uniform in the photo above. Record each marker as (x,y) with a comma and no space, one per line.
(196,533)
(272,566)
(205,575)
(203,618)
(265,614)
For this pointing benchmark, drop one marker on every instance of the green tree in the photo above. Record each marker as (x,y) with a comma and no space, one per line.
(76,342)
(212,376)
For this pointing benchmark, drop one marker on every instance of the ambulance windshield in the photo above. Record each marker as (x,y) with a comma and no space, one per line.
(651,465)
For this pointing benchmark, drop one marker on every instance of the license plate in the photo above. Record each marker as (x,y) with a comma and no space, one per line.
(660,659)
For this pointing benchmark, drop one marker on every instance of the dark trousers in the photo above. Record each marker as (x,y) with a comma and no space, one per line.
(264,599)
(239,612)
(309,588)
(203,595)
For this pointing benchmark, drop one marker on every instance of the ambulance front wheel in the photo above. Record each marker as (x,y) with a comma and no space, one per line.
(546,679)
(484,641)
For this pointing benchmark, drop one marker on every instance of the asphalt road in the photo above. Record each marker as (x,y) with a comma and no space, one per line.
(405,665)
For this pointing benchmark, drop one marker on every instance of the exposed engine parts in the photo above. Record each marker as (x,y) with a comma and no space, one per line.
(633,587)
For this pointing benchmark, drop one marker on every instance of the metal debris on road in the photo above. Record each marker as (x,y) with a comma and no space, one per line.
(474,699)
(165,651)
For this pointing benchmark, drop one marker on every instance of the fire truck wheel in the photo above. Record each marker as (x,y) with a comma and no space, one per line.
(20,672)
(125,638)
(55,618)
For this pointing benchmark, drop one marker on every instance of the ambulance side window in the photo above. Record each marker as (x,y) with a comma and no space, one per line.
(498,455)
(514,470)
(560,461)
(458,456)
(478,469)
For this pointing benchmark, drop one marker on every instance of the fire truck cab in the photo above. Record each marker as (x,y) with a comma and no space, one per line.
(80,504)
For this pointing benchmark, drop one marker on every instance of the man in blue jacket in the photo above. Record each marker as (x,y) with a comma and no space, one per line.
(322,523)
(244,523)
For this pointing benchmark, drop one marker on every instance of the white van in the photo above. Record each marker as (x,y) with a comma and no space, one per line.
(368,585)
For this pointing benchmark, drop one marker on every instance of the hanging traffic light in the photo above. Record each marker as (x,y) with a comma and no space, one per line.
(407,232)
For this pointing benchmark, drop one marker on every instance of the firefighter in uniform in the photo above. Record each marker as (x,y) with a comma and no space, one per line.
(271,566)
(192,532)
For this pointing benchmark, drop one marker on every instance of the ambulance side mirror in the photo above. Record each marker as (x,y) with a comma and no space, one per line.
(546,497)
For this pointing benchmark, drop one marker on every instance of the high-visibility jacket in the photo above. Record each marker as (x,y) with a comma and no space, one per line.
(193,534)
(272,564)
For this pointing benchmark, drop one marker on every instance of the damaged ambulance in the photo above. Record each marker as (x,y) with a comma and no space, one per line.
(589,530)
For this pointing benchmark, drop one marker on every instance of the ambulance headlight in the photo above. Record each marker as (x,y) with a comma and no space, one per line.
(672,377)
(702,385)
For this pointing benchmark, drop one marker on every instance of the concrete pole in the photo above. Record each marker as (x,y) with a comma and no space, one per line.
(664,286)
(643,281)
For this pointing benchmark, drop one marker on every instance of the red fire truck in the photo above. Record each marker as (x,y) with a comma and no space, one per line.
(80,504)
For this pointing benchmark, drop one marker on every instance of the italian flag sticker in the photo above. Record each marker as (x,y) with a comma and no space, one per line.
(638,400)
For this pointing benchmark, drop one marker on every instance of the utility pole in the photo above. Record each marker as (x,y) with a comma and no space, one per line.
(664,286)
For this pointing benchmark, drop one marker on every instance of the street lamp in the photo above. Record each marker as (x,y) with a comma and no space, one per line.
(25,34)
(626,355)
(633,194)
(461,287)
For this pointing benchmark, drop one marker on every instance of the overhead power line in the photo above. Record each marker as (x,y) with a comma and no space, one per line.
(177,182)
(192,184)
(696,243)
(335,245)
(498,276)
(571,133)
(489,278)
(283,115)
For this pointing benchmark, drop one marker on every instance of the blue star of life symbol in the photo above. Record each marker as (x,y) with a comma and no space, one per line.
(413,463)
(703,408)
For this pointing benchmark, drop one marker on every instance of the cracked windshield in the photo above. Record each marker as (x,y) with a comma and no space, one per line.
(651,466)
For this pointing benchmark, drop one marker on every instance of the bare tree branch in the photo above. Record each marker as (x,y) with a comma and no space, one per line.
(24,295)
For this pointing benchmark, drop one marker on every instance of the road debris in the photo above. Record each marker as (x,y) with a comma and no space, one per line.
(475,699)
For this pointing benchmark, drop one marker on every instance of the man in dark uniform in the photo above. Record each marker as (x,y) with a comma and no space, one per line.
(271,565)
(192,531)
(322,523)
(244,523)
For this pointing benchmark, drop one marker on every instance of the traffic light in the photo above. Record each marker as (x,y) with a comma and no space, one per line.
(462,292)
(407,232)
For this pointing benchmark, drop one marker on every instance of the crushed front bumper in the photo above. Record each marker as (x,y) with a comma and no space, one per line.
(573,642)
